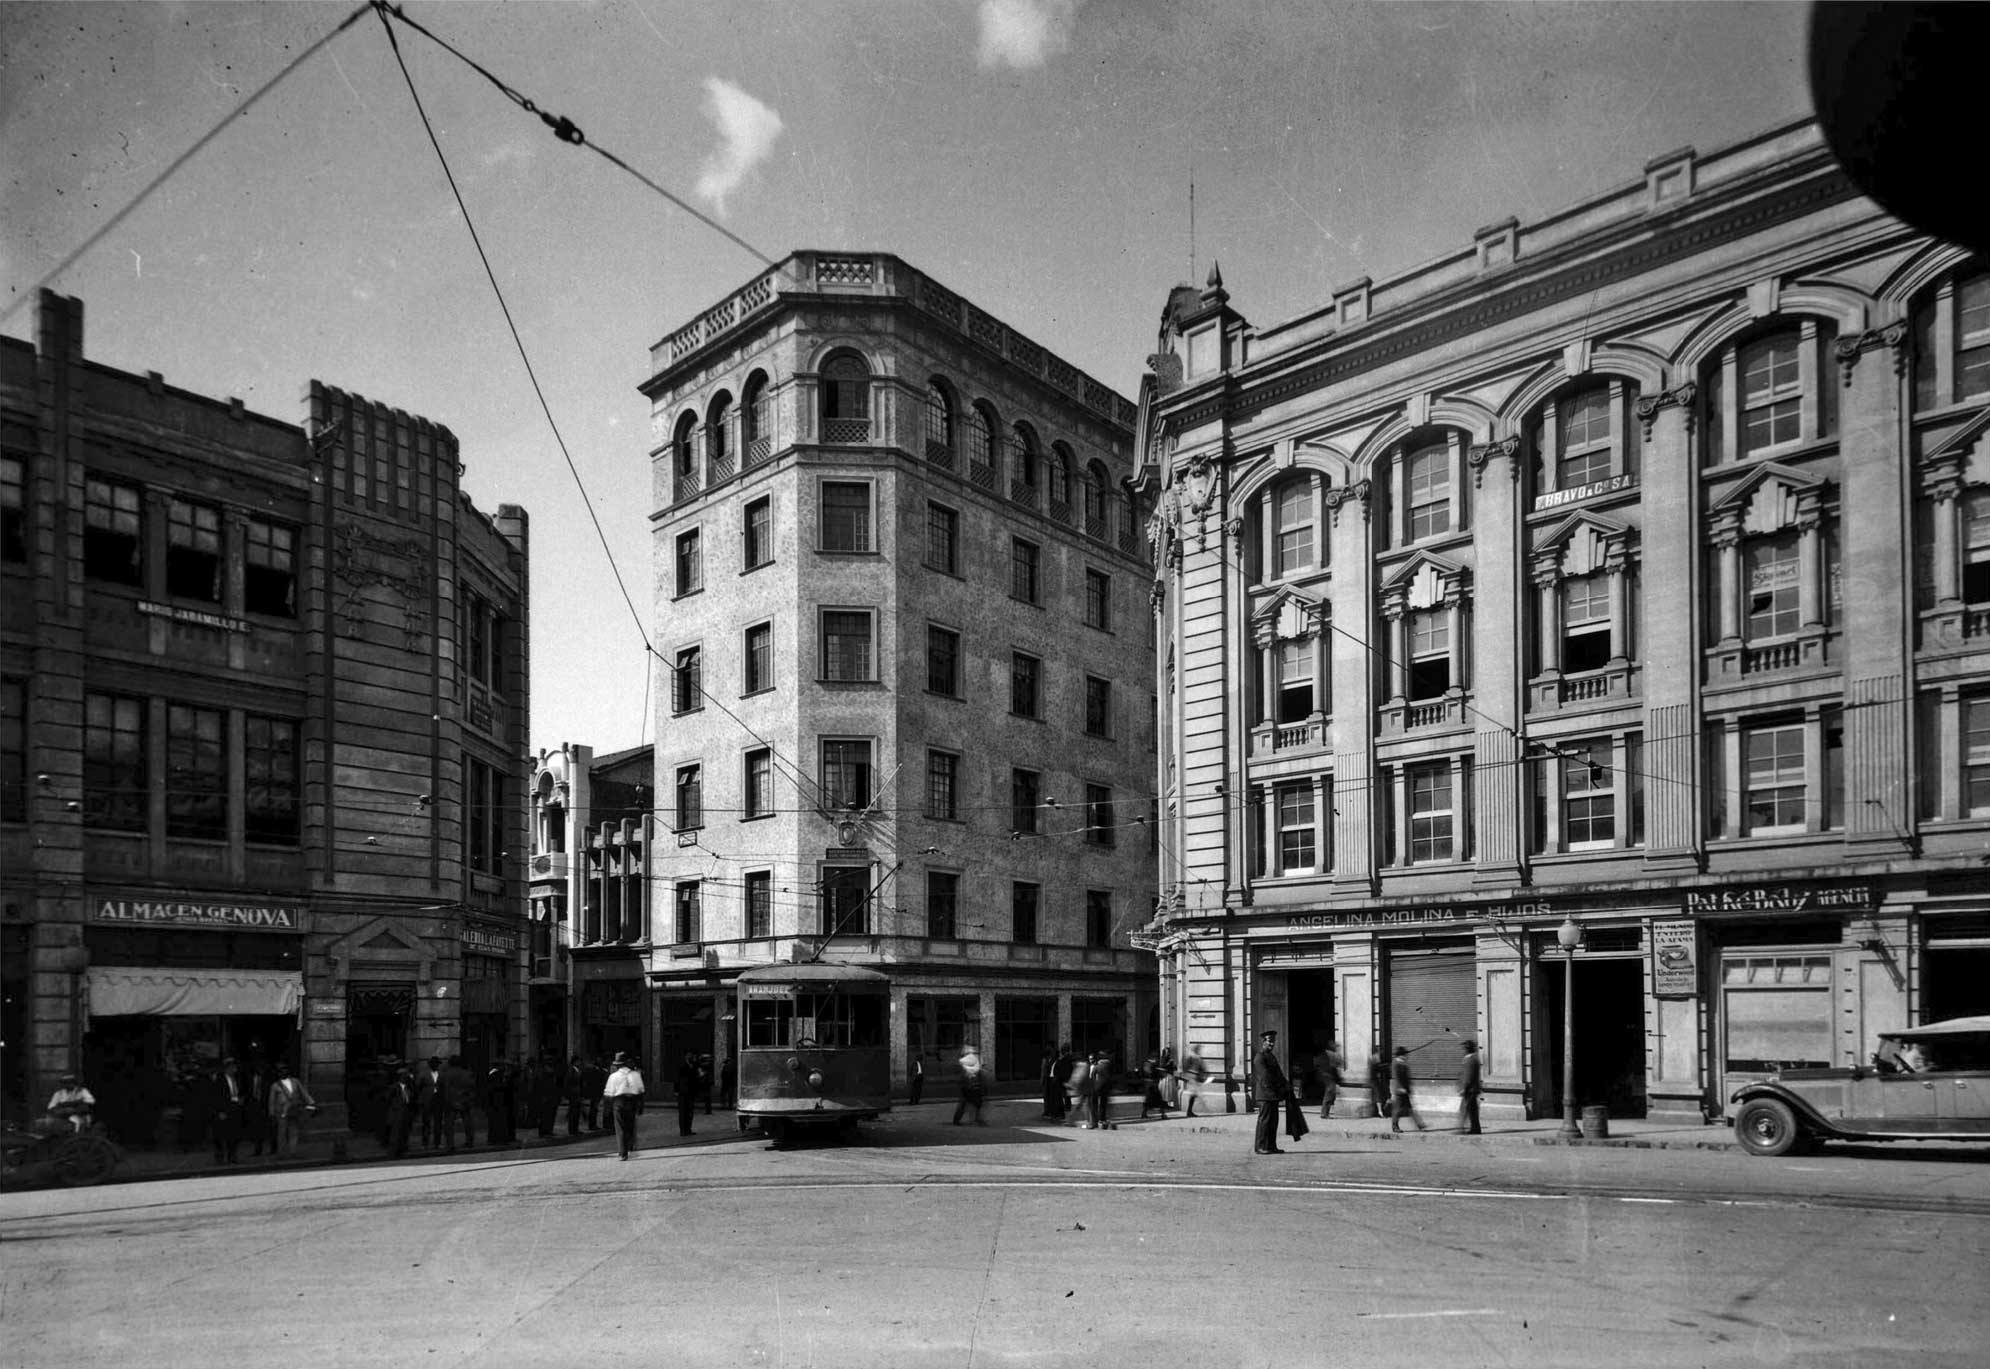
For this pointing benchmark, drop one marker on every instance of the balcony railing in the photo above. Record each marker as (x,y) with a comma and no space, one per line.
(1733,661)
(982,476)
(846,431)
(1312,734)
(939,453)
(1413,715)
(758,450)
(1023,492)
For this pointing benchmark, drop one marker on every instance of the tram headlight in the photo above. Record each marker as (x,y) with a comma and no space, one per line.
(815,1080)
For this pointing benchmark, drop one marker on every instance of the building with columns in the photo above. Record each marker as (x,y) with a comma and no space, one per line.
(1630,570)
(261,703)
(905,718)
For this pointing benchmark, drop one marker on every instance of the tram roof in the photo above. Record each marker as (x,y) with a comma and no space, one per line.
(814,972)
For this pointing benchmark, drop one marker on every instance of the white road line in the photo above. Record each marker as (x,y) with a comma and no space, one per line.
(1448,1312)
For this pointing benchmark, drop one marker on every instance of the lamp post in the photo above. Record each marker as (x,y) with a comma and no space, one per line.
(1569,937)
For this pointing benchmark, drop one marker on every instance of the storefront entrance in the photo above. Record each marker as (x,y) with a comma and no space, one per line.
(1309,1027)
(1609,1033)
(377,1022)
(937,1030)
(1955,979)
(1024,1029)
(148,1072)
(1099,1024)
(687,1024)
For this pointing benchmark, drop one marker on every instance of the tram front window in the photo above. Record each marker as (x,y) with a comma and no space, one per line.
(829,1019)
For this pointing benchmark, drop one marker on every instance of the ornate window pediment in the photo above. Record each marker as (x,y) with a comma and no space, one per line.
(1286,615)
(1425,581)
(1583,544)
(1961,458)
(1770,499)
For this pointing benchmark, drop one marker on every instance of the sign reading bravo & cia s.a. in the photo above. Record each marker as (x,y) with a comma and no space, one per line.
(224,917)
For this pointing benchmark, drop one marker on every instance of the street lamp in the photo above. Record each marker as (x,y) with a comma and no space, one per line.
(1569,937)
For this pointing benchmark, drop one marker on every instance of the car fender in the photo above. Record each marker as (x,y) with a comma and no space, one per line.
(1806,1114)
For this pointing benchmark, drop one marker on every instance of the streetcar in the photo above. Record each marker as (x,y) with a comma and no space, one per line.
(814,1047)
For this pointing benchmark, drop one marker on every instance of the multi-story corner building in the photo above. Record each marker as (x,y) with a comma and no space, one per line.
(1627,571)
(593,822)
(264,686)
(907,720)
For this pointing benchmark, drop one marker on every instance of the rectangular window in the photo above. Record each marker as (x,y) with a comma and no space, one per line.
(942,905)
(1098,600)
(758,665)
(1295,680)
(690,797)
(1293,535)
(1024,900)
(1976,756)
(13,508)
(1298,845)
(942,785)
(846,516)
(759,903)
(1025,685)
(1975,508)
(13,750)
(113,532)
(270,773)
(942,539)
(1098,707)
(846,645)
(1770,565)
(1430,654)
(1025,571)
(196,773)
(757,533)
(1431,832)
(846,897)
(846,775)
(1100,825)
(759,783)
(269,572)
(687,681)
(1098,917)
(1771,392)
(1773,779)
(1428,486)
(690,563)
(1972,337)
(115,777)
(1585,623)
(1585,440)
(1589,798)
(1025,798)
(690,922)
(943,661)
(484,817)
(193,551)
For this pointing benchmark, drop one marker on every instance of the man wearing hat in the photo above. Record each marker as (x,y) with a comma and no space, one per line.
(1468,1089)
(71,1104)
(429,1102)
(1269,1083)
(624,1095)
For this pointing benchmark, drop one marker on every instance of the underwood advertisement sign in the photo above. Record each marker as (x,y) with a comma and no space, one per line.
(1675,961)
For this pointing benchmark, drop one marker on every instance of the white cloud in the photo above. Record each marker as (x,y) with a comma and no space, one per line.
(748,129)
(1025,33)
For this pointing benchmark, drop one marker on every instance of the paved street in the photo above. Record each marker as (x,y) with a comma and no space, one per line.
(1021,1243)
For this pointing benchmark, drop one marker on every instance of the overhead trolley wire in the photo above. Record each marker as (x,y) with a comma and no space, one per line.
(181,161)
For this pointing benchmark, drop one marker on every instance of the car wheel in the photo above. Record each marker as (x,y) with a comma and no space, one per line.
(84,1160)
(1767,1127)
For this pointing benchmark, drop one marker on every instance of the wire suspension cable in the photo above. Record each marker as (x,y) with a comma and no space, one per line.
(181,161)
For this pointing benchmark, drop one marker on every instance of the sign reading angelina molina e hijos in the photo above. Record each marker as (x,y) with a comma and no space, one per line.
(224,917)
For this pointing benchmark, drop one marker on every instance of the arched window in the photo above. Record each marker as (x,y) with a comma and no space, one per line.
(1098,488)
(684,456)
(1771,392)
(1029,457)
(1290,536)
(1585,439)
(717,421)
(983,449)
(1428,482)
(939,423)
(756,426)
(846,399)
(1060,474)
(1952,341)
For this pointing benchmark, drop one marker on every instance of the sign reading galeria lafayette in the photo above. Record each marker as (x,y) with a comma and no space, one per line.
(222,917)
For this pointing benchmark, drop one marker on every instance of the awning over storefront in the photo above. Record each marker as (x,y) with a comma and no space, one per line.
(120,991)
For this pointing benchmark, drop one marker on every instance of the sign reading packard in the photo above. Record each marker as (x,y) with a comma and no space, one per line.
(1675,965)
(228,917)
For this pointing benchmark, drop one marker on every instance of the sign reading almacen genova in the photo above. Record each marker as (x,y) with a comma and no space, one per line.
(217,917)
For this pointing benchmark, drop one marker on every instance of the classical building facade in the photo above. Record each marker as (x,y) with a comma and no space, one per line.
(1628,569)
(906,719)
(263,689)
(593,823)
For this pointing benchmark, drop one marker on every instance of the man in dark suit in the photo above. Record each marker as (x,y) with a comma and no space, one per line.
(228,1111)
(1269,1083)
(459,1094)
(431,1104)
(1468,1090)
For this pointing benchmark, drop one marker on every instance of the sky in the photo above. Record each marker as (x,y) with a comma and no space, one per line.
(1032,155)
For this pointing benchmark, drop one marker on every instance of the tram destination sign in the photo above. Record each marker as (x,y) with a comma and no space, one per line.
(1779,898)
(224,917)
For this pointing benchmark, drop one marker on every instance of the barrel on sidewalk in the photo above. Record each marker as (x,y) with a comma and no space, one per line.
(1596,1122)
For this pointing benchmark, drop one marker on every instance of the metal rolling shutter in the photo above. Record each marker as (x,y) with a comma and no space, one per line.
(1433,998)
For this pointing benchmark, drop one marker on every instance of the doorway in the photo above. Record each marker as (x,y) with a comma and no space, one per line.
(1309,1027)
(1609,1033)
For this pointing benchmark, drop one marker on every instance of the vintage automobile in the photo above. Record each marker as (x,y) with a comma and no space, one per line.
(1926,1083)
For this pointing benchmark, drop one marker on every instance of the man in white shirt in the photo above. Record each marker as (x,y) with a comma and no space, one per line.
(624,1096)
(71,1104)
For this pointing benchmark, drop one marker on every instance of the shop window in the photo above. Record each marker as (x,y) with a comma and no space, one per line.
(1025,571)
(759,783)
(942,785)
(269,578)
(1025,685)
(1098,600)
(690,797)
(13,508)
(846,774)
(270,775)
(846,900)
(847,649)
(1952,342)
(939,422)
(1431,831)
(757,533)
(1777,1012)
(1098,918)
(943,660)
(1098,707)
(846,399)
(689,921)
(1025,800)
(13,750)
(846,516)
(942,904)
(113,539)
(757,658)
(1101,827)
(1298,831)
(942,539)
(759,903)
(1430,654)
(116,783)
(1773,789)
(690,563)
(1024,901)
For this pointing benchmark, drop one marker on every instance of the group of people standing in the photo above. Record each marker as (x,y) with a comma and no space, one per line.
(1391,1087)
(262,1104)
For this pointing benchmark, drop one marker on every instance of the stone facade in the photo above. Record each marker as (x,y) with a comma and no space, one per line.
(1627,569)
(263,684)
